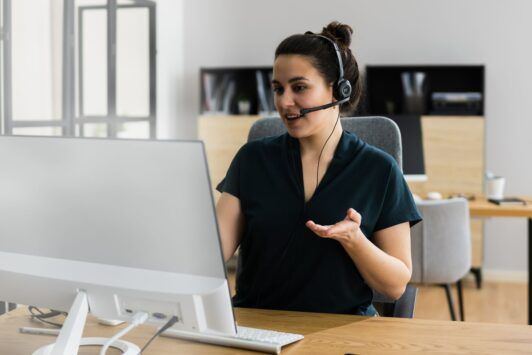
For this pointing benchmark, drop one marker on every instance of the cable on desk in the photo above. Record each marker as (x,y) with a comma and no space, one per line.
(138,319)
(41,316)
(168,324)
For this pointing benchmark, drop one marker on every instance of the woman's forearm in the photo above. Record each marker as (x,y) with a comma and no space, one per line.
(230,223)
(386,272)
(381,271)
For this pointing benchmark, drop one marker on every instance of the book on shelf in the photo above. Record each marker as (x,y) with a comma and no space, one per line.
(261,92)
(507,201)
(219,91)
(270,93)
(209,84)
(229,93)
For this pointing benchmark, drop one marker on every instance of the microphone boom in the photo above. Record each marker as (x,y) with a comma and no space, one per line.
(304,111)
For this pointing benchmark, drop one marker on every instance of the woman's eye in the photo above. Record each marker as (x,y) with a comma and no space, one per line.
(277,90)
(299,88)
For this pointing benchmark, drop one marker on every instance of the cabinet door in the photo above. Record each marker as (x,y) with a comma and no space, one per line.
(223,136)
(454,163)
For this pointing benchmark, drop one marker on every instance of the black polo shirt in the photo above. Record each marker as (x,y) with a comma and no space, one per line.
(284,265)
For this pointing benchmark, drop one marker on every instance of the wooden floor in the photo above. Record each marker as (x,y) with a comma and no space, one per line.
(495,302)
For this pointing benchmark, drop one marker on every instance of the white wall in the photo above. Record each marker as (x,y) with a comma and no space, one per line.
(170,69)
(491,32)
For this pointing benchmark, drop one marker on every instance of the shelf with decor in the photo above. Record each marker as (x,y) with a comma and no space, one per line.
(439,90)
(236,91)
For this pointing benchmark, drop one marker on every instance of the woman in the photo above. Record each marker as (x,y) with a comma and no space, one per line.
(320,216)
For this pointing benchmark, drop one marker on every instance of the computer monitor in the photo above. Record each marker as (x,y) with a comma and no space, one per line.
(130,224)
(412,146)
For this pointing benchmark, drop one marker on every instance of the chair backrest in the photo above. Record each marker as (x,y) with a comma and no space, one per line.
(380,132)
(441,243)
(401,308)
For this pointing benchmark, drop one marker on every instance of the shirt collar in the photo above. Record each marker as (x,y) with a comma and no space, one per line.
(344,150)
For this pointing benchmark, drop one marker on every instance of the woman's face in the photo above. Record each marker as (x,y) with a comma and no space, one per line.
(297,84)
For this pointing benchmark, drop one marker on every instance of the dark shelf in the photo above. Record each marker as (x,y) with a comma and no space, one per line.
(392,90)
(221,89)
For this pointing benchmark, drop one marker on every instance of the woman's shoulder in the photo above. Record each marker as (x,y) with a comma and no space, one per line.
(368,152)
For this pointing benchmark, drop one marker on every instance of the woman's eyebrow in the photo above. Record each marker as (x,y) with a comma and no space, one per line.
(297,78)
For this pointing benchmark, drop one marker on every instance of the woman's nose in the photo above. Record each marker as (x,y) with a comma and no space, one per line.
(285,100)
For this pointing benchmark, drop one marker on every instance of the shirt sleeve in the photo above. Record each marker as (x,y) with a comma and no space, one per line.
(398,205)
(231,183)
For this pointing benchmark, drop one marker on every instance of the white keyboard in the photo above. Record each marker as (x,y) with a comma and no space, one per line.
(268,341)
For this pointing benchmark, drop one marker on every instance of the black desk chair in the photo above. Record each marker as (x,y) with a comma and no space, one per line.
(401,308)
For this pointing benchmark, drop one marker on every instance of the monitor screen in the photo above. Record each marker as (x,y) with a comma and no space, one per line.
(128,203)
(412,144)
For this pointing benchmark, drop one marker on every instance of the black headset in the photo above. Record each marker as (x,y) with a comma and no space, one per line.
(342,87)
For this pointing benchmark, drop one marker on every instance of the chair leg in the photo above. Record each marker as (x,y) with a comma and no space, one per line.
(477,272)
(460,299)
(450,300)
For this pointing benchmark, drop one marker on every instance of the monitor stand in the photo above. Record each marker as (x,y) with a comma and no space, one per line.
(69,339)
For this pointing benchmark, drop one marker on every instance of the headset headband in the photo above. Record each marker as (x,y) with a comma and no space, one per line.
(338,54)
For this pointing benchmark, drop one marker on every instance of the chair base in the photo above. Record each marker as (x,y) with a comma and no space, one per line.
(477,272)
(450,301)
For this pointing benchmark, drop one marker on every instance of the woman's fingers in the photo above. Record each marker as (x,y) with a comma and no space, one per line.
(342,228)
(337,230)
(345,229)
(354,216)
(318,229)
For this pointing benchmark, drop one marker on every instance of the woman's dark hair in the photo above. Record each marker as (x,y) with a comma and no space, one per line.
(323,57)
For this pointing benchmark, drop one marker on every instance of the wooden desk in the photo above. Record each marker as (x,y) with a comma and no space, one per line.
(480,207)
(324,334)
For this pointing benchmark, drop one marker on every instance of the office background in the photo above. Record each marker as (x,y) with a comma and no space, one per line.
(213,33)
(243,33)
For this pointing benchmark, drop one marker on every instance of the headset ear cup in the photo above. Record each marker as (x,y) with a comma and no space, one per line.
(343,89)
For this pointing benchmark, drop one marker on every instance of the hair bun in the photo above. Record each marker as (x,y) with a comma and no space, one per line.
(340,32)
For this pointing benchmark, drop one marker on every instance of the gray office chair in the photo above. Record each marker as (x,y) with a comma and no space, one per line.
(441,247)
(380,132)
(384,134)
(401,308)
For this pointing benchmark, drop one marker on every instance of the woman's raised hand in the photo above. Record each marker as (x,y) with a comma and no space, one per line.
(347,230)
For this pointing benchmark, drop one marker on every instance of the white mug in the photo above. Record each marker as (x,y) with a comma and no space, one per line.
(495,187)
